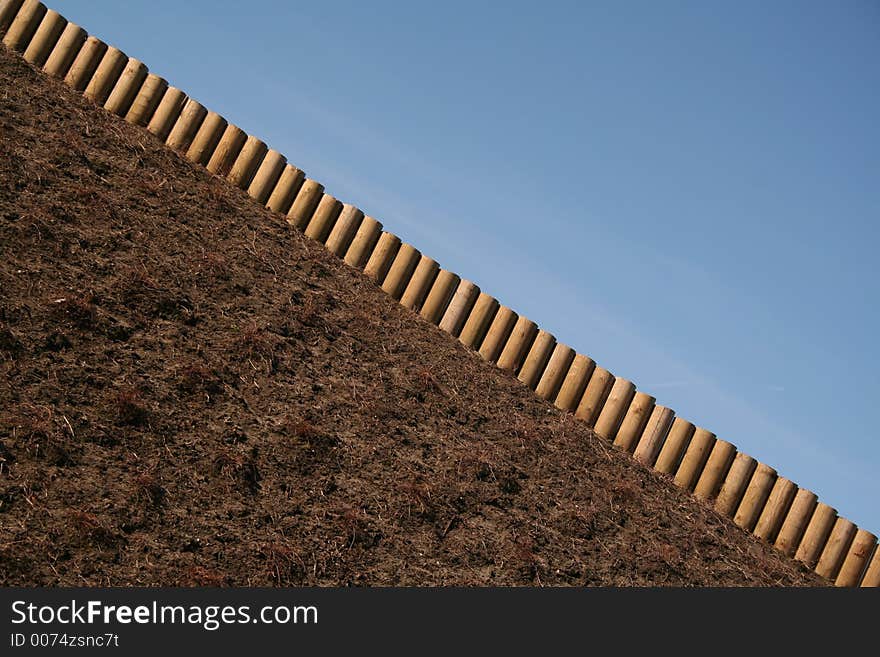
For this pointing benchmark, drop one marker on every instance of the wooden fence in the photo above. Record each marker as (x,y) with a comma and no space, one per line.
(752,494)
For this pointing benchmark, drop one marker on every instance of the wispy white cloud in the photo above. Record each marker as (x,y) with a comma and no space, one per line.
(669,384)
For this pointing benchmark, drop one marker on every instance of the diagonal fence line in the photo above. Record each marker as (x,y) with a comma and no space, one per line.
(752,494)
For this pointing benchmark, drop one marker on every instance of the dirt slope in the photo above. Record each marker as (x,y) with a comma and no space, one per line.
(194,394)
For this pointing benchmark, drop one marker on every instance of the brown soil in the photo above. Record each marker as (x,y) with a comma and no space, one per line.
(194,394)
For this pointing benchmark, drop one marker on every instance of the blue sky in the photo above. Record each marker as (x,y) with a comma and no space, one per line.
(689,192)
